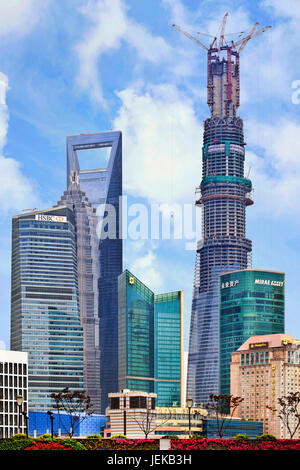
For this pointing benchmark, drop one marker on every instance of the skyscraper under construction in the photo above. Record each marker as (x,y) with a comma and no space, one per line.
(224,195)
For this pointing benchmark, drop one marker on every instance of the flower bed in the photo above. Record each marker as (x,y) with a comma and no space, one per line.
(51,445)
(149,444)
(235,444)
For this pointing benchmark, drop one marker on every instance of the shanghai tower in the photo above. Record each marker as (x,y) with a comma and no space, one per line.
(224,194)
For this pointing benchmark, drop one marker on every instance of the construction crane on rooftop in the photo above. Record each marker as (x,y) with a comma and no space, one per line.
(188,35)
(222,32)
(219,41)
(223,66)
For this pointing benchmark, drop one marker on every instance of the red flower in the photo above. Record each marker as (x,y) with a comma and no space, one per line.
(51,445)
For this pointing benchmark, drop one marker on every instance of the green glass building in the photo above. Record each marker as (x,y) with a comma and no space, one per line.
(150,340)
(251,303)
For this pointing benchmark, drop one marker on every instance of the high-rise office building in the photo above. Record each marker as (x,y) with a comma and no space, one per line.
(168,348)
(264,369)
(45,320)
(87,267)
(251,304)
(224,196)
(94,195)
(13,392)
(150,340)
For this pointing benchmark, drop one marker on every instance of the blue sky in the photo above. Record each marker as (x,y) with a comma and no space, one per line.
(81,66)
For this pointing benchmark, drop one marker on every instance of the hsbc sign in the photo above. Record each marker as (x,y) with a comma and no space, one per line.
(50,218)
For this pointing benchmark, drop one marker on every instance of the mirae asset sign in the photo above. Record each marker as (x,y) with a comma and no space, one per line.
(50,218)
(264,282)
(267,282)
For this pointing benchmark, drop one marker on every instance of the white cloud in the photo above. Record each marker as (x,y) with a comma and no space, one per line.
(111,26)
(162,141)
(276,173)
(2,345)
(16,191)
(146,269)
(18,17)
(288,8)
(3,109)
(178,13)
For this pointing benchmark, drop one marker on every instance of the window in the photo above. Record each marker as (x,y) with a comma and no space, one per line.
(138,402)
(114,403)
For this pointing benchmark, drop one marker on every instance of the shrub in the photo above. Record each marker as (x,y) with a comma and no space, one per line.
(243,437)
(94,436)
(118,436)
(15,444)
(45,437)
(73,443)
(197,436)
(120,444)
(266,437)
(170,436)
(19,436)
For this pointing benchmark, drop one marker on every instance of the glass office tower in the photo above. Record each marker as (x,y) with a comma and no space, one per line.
(136,334)
(45,320)
(251,304)
(150,340)
(95,194)
(169,375)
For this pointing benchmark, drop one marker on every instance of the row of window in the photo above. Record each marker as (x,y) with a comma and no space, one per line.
(261,357)
(134,402)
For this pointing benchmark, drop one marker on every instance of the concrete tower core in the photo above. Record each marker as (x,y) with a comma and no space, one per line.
(223,82)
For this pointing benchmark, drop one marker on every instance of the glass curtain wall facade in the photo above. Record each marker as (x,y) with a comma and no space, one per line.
(168,319)
(224,196)
(95,196)
(251,304)
(136,334)
(45,320)
(150,340)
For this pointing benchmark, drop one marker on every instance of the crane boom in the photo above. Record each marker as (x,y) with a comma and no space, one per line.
(221,38)
(244,41)
(260,31)
(219,42)
(188,35)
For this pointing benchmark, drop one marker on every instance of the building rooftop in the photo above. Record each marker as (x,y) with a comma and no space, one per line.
(274,341)
(252,269)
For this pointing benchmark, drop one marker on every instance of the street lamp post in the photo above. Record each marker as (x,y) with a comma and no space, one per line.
(26,417)
(50,413)
(189,404)
(19,403)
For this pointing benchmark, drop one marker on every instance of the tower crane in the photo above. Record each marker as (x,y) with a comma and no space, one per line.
(219,40)
(190,37)
(251,35)
(223,26)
